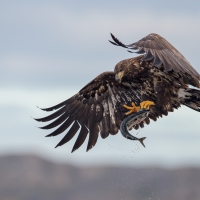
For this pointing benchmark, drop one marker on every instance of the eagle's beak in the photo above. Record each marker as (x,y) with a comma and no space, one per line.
(118,77)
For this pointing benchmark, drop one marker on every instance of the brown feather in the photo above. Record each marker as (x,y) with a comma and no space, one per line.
(81,138)
(70,134)
(62,128)
(93,135)
(57,122)
(52,116)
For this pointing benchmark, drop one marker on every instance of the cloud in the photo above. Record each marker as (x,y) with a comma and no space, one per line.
(52,44)
(63,23)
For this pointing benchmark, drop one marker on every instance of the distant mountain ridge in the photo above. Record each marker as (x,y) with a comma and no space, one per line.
(32,178)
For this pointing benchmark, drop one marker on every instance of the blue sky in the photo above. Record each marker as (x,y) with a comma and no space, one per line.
(50,49)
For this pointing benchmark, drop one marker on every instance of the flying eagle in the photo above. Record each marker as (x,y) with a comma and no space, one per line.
(157,80)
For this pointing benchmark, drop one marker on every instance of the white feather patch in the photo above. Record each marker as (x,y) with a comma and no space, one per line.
(182,94)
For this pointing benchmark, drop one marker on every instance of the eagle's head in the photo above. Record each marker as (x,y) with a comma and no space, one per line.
(119,71)
(130,70)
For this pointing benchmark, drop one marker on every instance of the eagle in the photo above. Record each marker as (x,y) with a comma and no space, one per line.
(158,80)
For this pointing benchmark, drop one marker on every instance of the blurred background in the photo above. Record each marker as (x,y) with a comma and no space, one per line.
(48,51)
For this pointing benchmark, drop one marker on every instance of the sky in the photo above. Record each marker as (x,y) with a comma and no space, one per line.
(50,49)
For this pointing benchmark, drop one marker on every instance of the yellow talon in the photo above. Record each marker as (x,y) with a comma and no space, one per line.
(146,104)
(132,109)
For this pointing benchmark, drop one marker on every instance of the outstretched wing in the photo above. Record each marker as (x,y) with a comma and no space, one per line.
(161,52)
(96,108)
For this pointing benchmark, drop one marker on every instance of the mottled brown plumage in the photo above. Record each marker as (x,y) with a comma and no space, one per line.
(161,75)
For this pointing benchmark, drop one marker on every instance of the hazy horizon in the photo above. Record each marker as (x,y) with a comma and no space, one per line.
(51,49)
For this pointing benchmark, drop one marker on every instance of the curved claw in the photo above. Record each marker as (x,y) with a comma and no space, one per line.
(146,104)
(132,109)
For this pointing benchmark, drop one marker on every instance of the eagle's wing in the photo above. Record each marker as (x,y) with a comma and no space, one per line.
(161,52)
(96,108)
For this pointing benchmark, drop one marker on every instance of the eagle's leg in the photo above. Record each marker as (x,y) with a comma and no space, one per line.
(134,108)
